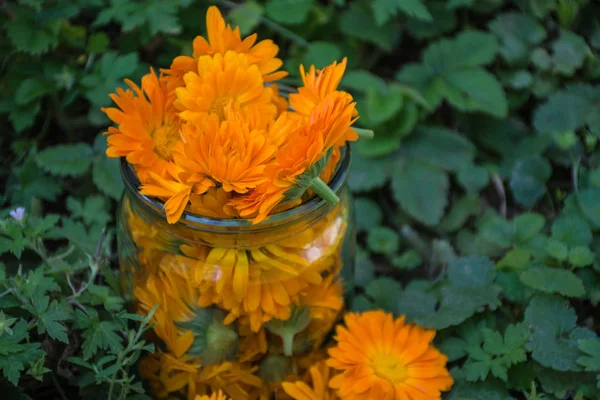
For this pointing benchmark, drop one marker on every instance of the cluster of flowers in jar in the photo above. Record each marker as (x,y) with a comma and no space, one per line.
(212,132)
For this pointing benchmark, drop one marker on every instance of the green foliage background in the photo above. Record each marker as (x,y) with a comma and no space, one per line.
(478,199)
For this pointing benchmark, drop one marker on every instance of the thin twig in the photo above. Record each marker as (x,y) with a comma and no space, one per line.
(501,192)
(99,246)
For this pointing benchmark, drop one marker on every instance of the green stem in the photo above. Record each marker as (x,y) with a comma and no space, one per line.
(288,343)
(364,133)
(324,191)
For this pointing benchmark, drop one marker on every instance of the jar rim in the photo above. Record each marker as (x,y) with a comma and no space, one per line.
(195,221)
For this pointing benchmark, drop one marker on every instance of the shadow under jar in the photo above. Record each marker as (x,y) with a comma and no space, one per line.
(241,306)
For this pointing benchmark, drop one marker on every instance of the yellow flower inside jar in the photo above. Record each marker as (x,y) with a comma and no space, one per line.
(276,287)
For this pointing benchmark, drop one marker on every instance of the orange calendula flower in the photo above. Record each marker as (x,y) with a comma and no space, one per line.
(213,204)
(317,85)
(318,388)
(176,189)
(221,81)
(215,396)
(147,129)
(298,162)
(221,39)
(228,152)
(380,357)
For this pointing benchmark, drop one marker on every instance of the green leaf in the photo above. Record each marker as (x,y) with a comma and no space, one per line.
(410,259)
(581,256)
(561,383)
(97,334)
(50,316)
(107,75)
(591,347)
(386,9)
(553,280)
(93,209)
(475,89)
(517,34)
(382,107)
(31,89)
(97,43)
(472,272)
(473,178)
(106,175)
(246,16)
(362,80)
(439,146)
(290,12)
(528,179)
(73,159)
(16,353)
(31,36)
(564,112)
(384,292)
(466,207)
(321,54)
(527,225)
(469,48)
(368,213)
(516,258)
(357,22)
(573,231)
(421,190)
(383,240)
(556,249)
(554,336)
(368,174)
(569,52)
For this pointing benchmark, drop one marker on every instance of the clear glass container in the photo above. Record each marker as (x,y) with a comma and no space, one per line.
(241,306)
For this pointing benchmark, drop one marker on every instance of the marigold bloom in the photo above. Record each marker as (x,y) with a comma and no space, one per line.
(380,357)
(176,189)
(228,152)
(168,375)
(147,129)
(317,85)
(328,126)
(213,204)
(319,377)
(221,81)
(222,38)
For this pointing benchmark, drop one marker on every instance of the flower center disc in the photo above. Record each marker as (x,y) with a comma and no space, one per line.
(165,138)
(218,106)
(389,367)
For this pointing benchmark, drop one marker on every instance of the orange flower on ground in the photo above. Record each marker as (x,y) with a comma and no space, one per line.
(228,152)
(223,80)
(215,396)
(147,129)
(379,357)
(176,189)
(222,38)
(318,390)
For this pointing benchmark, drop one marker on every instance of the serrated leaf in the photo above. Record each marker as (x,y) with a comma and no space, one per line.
(31,89)
(472,272)
(362,80)
(461,211)
(16,353)
(591,347)
(73,159)
(368,174)
(408,260)
(573,231)
(569,52)
(358,22)
(107,176)
(439,146)
(29,36)
(98,334)
(246,16)
(553,280)
(467,49)
(517,33)
(475,89)
(421,190)
(581,256)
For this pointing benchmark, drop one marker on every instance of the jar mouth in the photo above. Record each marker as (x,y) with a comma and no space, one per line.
(195,221)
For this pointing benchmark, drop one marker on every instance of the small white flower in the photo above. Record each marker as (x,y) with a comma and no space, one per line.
(18,214)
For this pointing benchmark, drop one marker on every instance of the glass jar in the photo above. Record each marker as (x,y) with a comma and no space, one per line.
(240,306)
